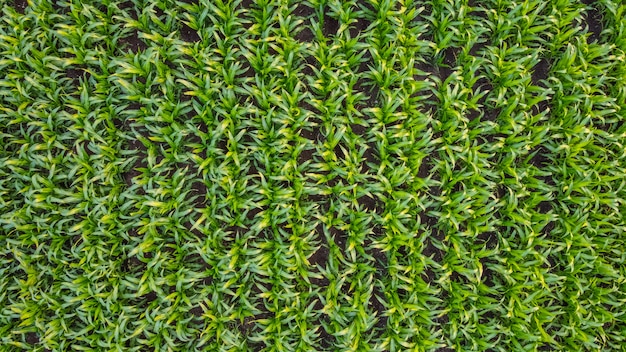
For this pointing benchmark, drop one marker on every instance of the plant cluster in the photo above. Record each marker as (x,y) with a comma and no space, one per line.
(319,175)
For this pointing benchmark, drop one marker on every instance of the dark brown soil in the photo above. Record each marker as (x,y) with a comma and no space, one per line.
(339,237)
(540,107)
(425,168)
(450,56)
(198,194)
(75,74)
(132,43)
(379,309)
(304,11)
(430,250)
(477,48)
(368,203)
(547,230)
(187,34)
(544,207)
(305,35)
(540,159)
(489,239)
(20,5)
(32,338)
(541,71)
(361,25)
(326,340)
(305,156)
(330,26)
(133,172)
(370,156)
(320,257)
(594,23)
(149,297)
(196,311)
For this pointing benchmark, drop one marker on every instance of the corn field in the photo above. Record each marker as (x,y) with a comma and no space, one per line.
(321,175)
